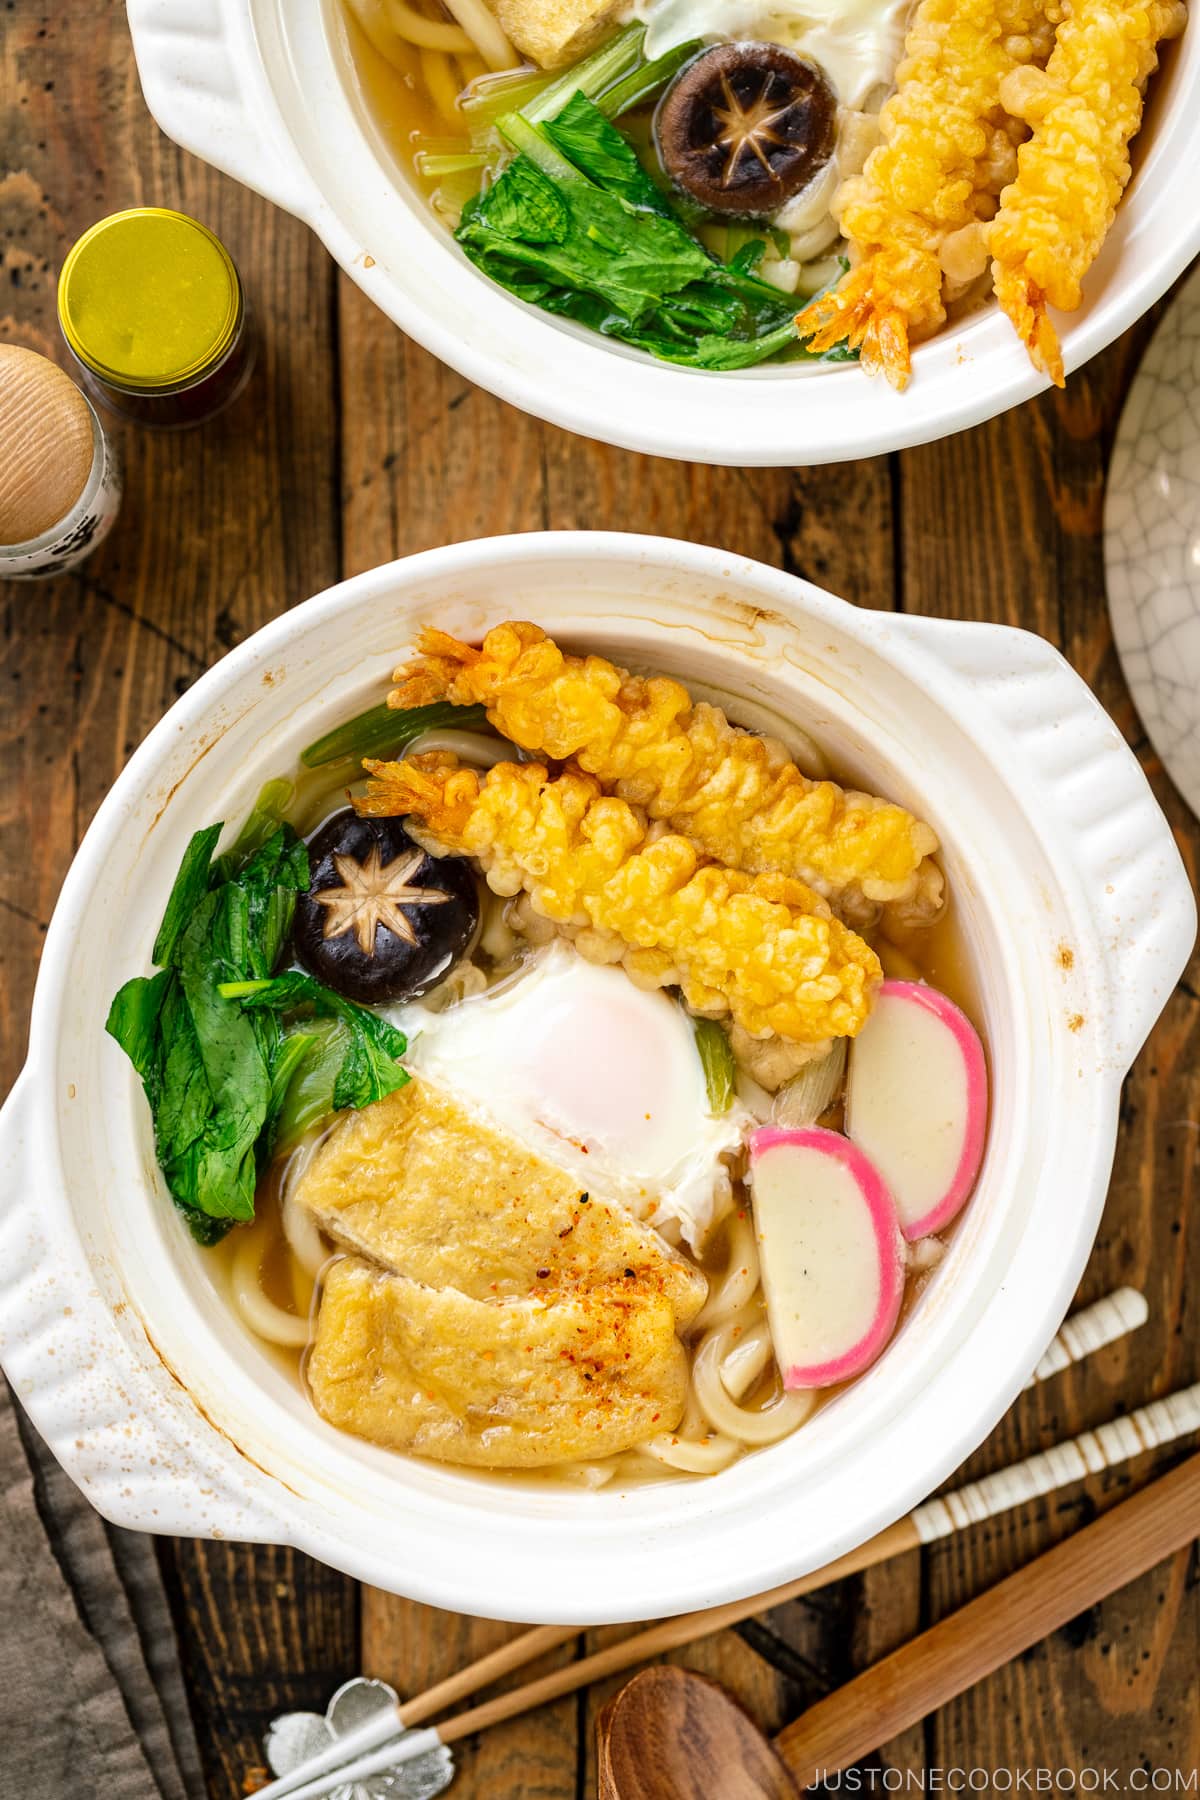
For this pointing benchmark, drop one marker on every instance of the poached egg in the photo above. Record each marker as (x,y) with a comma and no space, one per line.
(594,1074)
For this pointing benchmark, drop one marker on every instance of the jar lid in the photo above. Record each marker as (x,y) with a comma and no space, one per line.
(149,299)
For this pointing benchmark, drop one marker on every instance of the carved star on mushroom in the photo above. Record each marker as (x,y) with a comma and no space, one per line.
(372,895)
(749,128)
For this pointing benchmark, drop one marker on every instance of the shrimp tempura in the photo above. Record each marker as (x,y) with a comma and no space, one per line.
(736,796)
(931,179)
(761,948)
(1084,108)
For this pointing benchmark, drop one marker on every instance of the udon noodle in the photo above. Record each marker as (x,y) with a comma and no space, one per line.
(451,53)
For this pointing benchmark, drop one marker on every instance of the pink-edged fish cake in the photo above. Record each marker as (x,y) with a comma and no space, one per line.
(917,1102)
(831,1252)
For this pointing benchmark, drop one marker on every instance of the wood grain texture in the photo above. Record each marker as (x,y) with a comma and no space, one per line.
(1023,499)
(1155,1527)
(352,446)
(670,1733)
(220,529)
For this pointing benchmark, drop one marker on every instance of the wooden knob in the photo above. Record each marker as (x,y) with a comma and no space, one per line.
(46,445)
(674,1735)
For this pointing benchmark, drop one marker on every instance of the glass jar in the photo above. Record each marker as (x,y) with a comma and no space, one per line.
(152,309)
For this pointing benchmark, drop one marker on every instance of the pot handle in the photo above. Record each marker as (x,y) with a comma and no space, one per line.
(112,1412)
(1057,741)
(196,60)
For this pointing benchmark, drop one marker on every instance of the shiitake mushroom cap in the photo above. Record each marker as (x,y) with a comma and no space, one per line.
(382,920)
(745,126)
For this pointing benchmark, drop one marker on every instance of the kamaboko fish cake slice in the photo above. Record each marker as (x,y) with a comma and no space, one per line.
(1084,108)
(924,182)
(737,797)
(762,948)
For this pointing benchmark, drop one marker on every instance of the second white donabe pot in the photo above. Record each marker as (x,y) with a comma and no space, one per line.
(1078,916)
(266,91)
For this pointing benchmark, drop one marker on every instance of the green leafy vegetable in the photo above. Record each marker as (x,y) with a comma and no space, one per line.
(371,1065)
(598,150)
(645,81)
(187,890)
(385,730)
(219,1075)
(618,57)
(267,815)
(577,226)
(308,1097)
(716,1059)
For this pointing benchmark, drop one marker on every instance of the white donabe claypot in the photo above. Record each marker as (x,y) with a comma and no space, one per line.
(266,91)
(1078,918)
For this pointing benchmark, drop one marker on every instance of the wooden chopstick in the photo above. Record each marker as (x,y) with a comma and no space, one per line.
(1153,1425)
(989,1631)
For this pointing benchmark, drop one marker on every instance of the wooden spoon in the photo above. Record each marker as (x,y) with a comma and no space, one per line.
(671,1732)
(670,1738)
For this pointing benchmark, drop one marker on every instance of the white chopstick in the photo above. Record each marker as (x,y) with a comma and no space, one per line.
(1089,1329)
(1089,1452)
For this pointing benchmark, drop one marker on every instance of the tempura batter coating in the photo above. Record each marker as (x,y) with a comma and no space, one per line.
(736,796)
(763,948)
(927,179)
(1084,108)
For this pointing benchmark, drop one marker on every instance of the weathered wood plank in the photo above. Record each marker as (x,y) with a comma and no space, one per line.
(1004,523)
(221,528)
(429,459)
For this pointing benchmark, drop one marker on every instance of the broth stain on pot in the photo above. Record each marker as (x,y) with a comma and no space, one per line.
(209,1420)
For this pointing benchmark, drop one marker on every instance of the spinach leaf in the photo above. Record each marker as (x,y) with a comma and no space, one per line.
(370,1066)
(190,884)
(264,818)
(577,226)
(526,206)
(295,1050)
(632,259)
(595,147)
(133,1019)
(309,1095)
(226,1069)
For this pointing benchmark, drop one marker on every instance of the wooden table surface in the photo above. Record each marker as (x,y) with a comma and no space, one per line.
(352,446)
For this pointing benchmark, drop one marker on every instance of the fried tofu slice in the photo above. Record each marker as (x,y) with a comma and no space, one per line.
(552,33)
(435,1193)
(519,1384)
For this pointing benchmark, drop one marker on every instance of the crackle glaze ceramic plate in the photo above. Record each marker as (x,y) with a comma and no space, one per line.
(1152,541)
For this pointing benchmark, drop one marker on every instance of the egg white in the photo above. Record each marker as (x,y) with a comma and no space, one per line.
(593,1073)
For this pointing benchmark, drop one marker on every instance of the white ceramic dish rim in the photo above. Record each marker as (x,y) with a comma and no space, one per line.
(165,1445)
(262,92)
